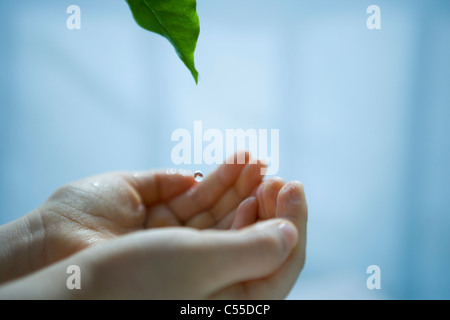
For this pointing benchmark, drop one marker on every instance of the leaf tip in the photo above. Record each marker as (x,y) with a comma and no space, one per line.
(195,75)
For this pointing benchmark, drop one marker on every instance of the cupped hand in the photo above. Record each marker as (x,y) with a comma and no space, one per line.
(216,243)
(260,257)
(256,259)
(100,208)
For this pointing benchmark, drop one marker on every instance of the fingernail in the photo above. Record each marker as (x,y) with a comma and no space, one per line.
(289,233)
(292,190)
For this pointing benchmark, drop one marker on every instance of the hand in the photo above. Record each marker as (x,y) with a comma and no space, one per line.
(261,261)
(106,208)
(98,209)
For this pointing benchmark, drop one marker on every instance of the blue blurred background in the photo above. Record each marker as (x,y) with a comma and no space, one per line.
(364,118)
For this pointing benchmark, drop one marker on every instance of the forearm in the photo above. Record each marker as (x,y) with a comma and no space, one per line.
(21,247)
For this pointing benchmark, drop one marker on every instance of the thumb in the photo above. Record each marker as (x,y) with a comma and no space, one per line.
(250,253)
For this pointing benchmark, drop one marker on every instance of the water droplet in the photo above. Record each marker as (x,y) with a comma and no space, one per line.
(171,171)
(198,176)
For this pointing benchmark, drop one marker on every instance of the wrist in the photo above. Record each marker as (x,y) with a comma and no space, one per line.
(21,246)
(36,252)
(50,283)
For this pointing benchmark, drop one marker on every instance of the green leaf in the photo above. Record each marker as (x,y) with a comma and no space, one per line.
(176,20)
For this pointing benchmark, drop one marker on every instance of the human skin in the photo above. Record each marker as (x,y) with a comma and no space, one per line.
(160,235)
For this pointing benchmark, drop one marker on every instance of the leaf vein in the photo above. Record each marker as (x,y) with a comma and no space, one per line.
(165,28)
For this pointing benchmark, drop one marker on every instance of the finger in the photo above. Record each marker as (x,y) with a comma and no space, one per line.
(160,216)
(227,222)
(206,193)
(292,206)
(247,254)
(159,186)
(245,184)
(267,195)
(263,206)
(246,214)
(249,178)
